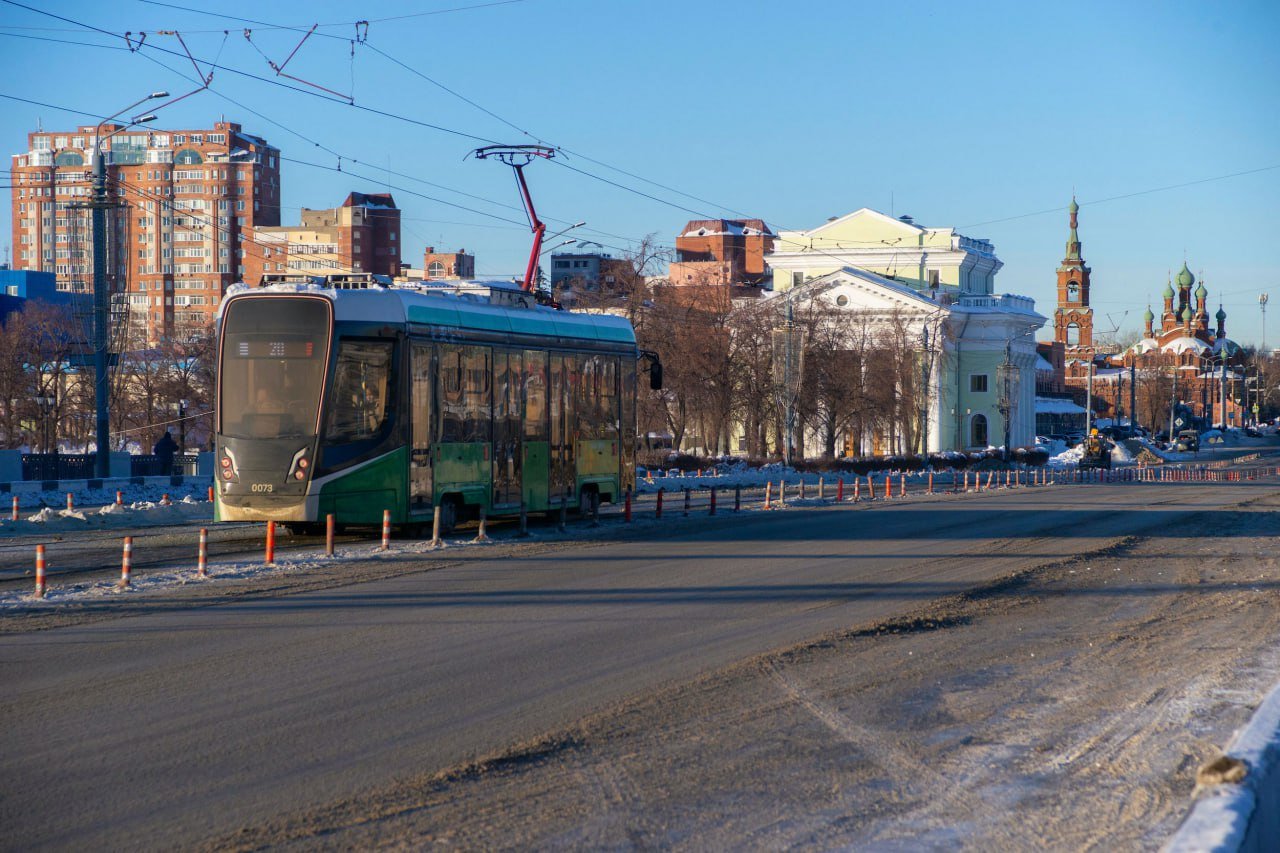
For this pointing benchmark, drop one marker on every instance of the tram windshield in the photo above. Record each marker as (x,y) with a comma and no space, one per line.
(272,371)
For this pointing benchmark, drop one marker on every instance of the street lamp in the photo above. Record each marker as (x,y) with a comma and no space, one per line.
(46,406)
(1009,380)
(98,204)
(788,369)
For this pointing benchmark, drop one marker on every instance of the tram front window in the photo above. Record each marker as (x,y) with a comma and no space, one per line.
(272,371)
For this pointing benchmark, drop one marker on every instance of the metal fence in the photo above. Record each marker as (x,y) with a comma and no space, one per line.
(80,466)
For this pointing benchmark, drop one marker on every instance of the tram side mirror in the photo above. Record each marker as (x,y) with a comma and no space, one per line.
(655,376)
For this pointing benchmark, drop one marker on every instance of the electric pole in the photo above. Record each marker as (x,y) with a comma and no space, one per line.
(99,202)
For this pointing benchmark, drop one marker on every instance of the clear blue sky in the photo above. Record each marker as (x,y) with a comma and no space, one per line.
(959,114)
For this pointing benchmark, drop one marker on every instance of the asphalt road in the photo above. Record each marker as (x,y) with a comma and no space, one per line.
(181,726)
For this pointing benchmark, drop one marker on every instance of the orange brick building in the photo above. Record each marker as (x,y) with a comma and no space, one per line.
(722,252)
(438,265)
(175,243)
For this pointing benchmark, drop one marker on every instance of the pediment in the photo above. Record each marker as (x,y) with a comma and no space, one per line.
(864,292)
(867,227)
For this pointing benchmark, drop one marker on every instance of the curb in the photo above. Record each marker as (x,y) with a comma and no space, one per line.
(1244,816)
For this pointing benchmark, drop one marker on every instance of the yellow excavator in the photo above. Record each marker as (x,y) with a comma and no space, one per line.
(1095,451)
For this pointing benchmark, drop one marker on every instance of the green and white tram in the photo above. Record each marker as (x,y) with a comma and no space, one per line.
(342,395)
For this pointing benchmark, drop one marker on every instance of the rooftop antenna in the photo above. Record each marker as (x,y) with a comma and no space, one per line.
(517,157)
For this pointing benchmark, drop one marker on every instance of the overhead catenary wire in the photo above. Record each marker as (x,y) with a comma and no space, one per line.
(617,184)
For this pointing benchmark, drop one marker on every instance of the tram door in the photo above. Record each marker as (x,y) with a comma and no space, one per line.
(422,374)
(508,372)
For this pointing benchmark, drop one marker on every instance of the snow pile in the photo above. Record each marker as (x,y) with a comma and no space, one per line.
(1120,455)
(109,516)
(1067,458)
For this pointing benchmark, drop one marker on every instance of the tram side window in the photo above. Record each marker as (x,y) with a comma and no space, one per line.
(582,378)
(359,404)
(627,400)
(556,399)
(452,410)
(477,394)
(535,395)
(607,396)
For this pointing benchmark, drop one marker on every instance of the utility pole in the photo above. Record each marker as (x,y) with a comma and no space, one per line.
(1173,401)
(1133,395)
(99,202)
(1223,382)
(924,395)
(1088,401)
(1262,304)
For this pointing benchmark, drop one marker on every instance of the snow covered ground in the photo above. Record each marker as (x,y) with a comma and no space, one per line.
(141,506)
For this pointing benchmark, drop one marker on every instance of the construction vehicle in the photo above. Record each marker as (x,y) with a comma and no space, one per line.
(1095,451)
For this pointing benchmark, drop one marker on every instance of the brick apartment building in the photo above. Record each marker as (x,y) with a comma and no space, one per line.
(176,241)
(722,252)
(362,235)
(442,265)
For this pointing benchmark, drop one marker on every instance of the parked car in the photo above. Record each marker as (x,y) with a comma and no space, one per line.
(1188,441)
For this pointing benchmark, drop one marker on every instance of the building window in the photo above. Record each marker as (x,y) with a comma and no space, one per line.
(1073,335)
(978,383)
(1073,291)
(435,270)
(978,431)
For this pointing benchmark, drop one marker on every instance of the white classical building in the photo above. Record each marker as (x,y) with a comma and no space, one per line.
(963,341)
(925,258)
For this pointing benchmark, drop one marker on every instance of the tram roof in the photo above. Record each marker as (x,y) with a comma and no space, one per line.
(450,310)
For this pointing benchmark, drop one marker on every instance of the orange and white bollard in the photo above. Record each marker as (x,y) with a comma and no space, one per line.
(164,500)
(930,483)
(119,498)
(40,568)
(70,503)
(126,563)
(888,487)
(871,488)
(386,529)
(211,494)
(902,485)
(768,494)
(990,477)
(840,490)
(14,516)
(857,491)
(202,556)
(329,527)
(270,556)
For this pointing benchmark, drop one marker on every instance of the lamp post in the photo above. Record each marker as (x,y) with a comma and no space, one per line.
(1007,377)
(98,204)
(46,405)
(788,369)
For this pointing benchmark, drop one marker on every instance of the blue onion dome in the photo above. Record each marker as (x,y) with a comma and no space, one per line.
(1148,316)
(1201,292)
(1168,290)
(1221,315)
(1186,314)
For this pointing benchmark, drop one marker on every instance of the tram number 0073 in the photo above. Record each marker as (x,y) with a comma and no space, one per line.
(262,487)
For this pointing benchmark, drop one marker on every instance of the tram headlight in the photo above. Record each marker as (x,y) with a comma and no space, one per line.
(298,465)
(226,474)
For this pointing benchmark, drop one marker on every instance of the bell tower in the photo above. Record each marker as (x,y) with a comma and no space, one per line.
(1073,321)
